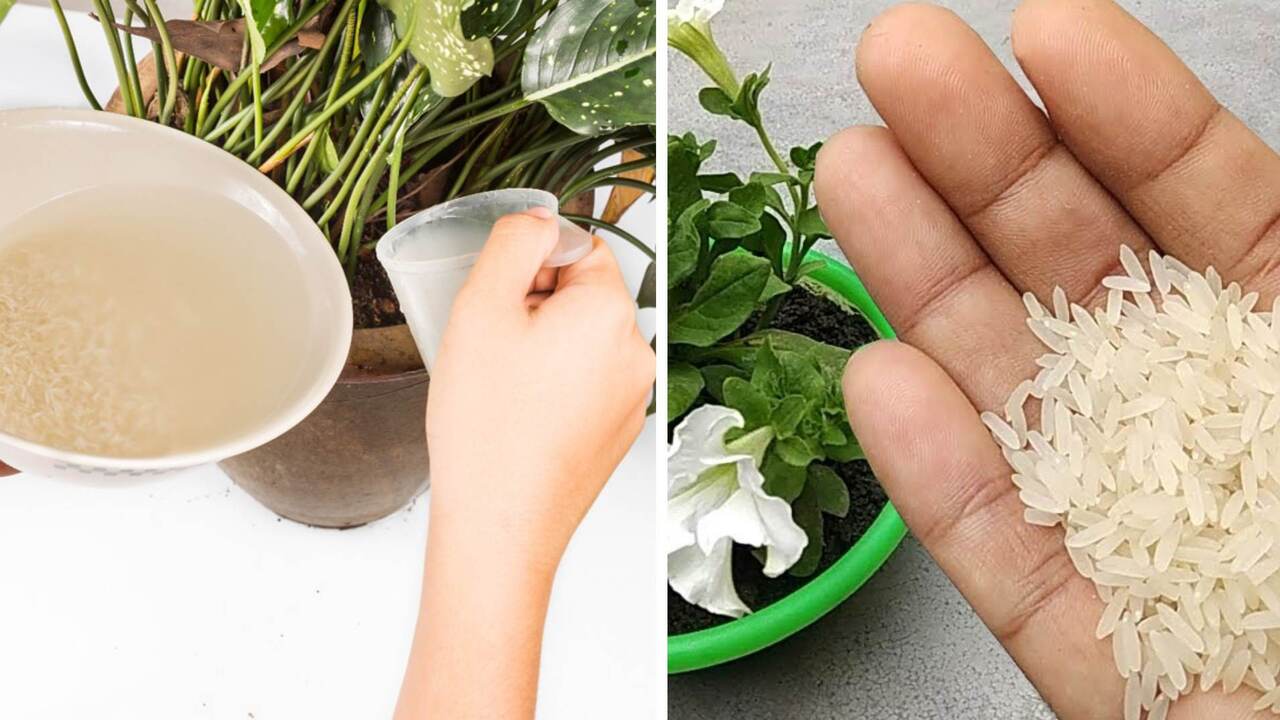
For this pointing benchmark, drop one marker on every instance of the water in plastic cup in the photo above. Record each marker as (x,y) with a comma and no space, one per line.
(429,255)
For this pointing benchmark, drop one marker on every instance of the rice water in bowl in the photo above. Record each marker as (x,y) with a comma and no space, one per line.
(162,304)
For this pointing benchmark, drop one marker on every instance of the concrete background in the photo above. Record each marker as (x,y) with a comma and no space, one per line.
(907,646)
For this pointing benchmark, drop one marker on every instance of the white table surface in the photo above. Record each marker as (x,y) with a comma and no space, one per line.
(186,599)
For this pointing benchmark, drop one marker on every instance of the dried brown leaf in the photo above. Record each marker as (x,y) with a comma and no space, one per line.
(221,43)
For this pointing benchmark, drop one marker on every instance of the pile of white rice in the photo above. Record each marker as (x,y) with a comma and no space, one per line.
(1158,449)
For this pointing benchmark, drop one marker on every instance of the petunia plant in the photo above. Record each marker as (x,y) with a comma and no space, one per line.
(736,248)
(367,111)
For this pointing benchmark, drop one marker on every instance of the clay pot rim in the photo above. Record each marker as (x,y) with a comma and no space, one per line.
(361,377)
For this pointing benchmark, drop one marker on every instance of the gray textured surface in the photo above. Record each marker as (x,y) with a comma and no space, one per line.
(907,646)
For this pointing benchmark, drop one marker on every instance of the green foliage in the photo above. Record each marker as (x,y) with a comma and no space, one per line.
(593,65)
(736,248)
(455,62)
(364,109)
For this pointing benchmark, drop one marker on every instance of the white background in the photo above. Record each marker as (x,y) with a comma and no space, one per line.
(186,599)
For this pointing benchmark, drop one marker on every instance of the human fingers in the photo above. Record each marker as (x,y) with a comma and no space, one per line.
(511,261)
(1199,181)
(936,286)
(996,161)
(952,486)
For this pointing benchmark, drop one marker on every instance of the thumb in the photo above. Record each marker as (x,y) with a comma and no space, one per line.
(509,263)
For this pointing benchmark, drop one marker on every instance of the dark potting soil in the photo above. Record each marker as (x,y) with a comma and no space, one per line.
(372,299)
(819,317)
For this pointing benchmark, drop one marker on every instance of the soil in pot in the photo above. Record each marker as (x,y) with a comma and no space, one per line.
(814,314)
(372,300)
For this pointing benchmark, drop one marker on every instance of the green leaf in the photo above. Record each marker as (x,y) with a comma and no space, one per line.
(749,197)
(848,452)
(265,22)
(787,415)
(772,288)
(488,18)
(782,480)
(743,397)
(715,101)
(683,160)
(767,373)
(768,240)
(833,435)
(719,182)
(684,245)
(746,106)
(5,6)
(438,43)
(715,376)
(684,384)
(327,154)
(808,516)
(592,65)
(648,295)
(810,267)
(773,199)
(795,451)
(811,223)
(772,178)
(727,220)
(829,490)
(805,158)
(722,303)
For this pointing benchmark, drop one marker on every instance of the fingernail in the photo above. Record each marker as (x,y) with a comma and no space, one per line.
(539,212)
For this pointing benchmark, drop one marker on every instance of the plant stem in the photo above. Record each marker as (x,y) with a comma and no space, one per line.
(130,61)
(420,161)
(292,144)
(376,136)
(359,201)
(623,182)
(105,16)
(205,91)
(366,127)
(237,83)
(505,109)
(609,172)
(297,172)
(170,61)
(285,121)
(285,83)
(397,156)
(75,56)
(494,135)
(596,222)
(255,85)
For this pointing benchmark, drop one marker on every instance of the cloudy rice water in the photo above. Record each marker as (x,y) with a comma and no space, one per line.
(127,330)
(1156,445)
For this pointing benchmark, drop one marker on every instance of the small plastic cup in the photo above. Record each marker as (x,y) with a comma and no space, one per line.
(429,255)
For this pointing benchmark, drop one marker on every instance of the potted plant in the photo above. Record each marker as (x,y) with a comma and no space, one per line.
(772,516)
(367,112)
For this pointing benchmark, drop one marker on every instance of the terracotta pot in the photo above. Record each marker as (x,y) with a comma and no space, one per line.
(362,454)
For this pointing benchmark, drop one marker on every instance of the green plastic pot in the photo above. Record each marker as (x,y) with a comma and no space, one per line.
(746,635)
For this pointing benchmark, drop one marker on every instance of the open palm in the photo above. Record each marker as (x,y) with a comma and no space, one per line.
(972,196)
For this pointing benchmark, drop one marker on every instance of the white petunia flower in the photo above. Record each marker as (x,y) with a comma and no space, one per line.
(696,11)
(689,31)
(716,497)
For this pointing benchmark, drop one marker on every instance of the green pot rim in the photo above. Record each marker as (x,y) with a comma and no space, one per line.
(754,632)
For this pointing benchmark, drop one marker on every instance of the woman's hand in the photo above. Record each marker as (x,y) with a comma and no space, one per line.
(539,390)
(973,196)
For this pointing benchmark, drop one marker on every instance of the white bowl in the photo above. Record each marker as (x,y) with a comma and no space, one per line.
(47,153)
